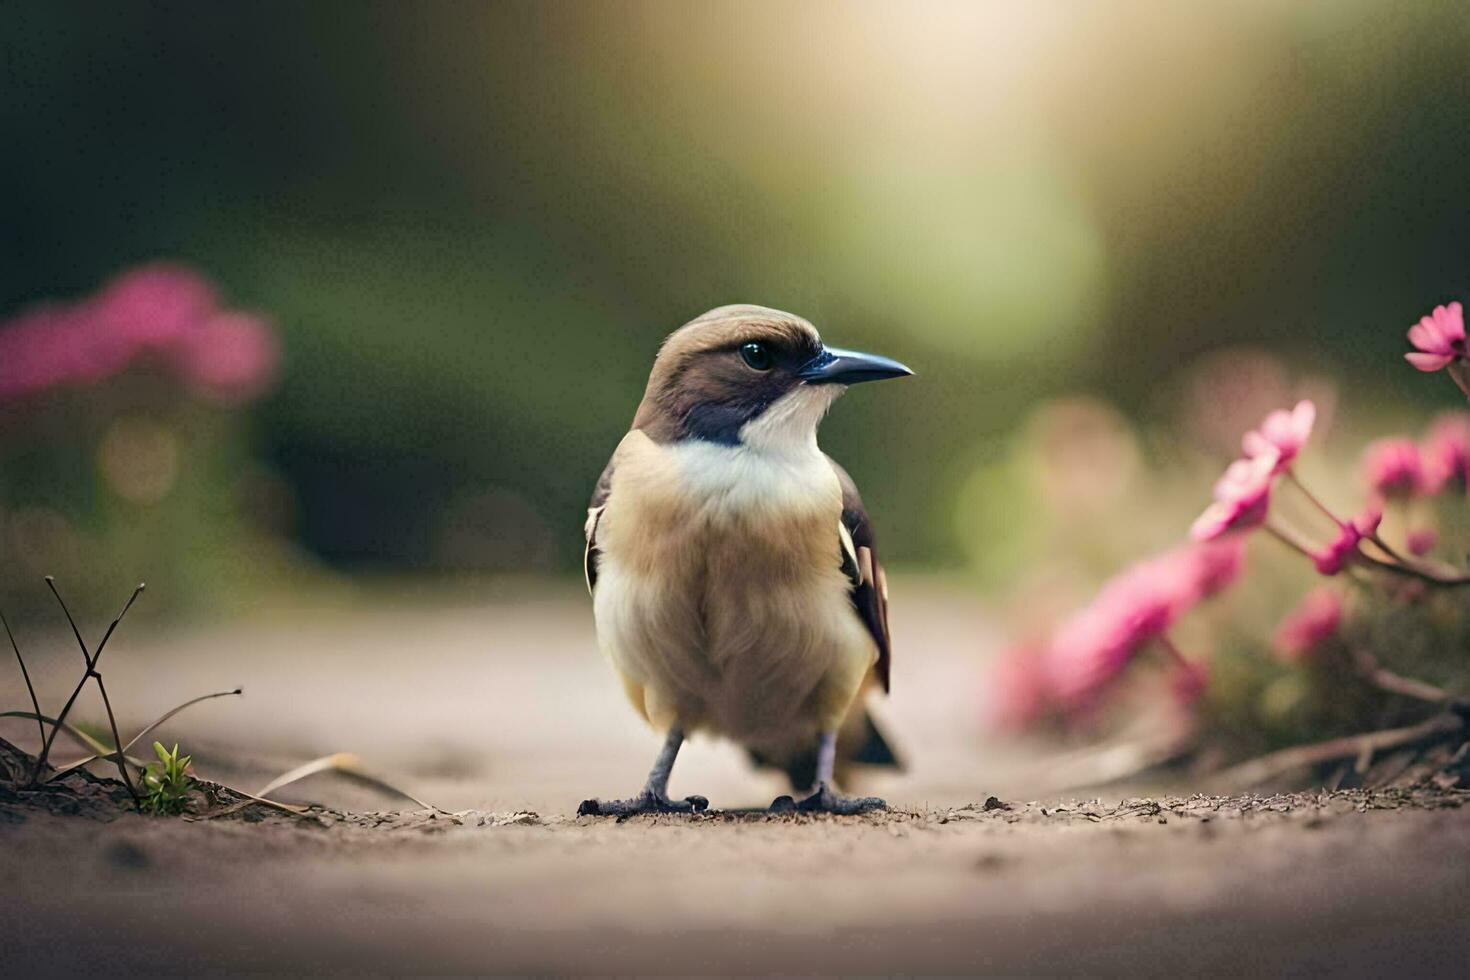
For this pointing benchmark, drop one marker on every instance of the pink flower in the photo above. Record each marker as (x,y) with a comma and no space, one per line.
(154,306)
(1393,468)
(1282,432)
(1421,541)
(231,358)
(1211,567)
(1241,497)
(1092,648)
(1439,338)
(1331,559)
(1446,453)
(1313,622)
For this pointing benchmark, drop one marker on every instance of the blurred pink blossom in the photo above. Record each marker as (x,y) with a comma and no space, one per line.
(231,358)
(155,305)
(1421,541)
(1282,432)
(1093,647)
(1446,453)
(1315,620)
(1331,559)
(56,344)
(1394,468)
(166,310)
(1203,569)
(1242,496)
(1439,338)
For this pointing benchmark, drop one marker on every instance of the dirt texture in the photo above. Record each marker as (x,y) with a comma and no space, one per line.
(505,718)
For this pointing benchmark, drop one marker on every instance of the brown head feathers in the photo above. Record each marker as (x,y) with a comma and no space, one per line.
(723,369)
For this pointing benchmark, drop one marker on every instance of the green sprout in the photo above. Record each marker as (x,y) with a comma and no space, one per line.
(166,782)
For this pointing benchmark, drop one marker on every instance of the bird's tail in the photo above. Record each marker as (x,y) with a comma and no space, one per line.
(859,742)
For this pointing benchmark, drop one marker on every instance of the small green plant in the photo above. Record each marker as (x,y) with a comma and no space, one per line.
(167,782)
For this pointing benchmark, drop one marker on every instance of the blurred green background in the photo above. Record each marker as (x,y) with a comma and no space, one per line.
(472,224)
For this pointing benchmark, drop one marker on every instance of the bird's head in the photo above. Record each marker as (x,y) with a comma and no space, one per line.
(751,376)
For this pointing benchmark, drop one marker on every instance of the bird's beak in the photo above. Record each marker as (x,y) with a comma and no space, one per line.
(849,367)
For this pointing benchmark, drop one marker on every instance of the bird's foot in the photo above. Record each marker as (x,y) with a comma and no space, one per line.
(826,801)
(645,802)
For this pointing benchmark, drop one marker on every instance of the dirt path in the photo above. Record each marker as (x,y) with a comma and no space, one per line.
(499,709)
(1355,883)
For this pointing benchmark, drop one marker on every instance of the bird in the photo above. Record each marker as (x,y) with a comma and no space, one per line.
(735,586)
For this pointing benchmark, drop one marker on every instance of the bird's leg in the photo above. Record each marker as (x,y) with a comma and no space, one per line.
(823,800)
(655,796)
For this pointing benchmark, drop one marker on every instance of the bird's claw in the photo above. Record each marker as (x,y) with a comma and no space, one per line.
(642,803)
(826,801)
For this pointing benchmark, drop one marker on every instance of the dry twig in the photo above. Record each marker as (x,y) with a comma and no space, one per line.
(91,672)
(1357,747)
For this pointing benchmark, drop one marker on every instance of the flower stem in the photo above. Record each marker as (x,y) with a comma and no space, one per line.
(1443,577)
(1173,651)
(1288,539)
(1316,501)
(1456,371)
(1377,539)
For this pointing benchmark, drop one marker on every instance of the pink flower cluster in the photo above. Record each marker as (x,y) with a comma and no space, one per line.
(167,313)
(1134,612)
(1402,468)
(1092,648)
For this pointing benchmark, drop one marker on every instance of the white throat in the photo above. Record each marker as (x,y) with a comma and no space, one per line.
(789,426)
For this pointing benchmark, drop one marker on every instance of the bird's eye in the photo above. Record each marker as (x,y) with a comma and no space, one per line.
(757,355)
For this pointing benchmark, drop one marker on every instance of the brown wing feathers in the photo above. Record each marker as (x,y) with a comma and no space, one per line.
(594,514)
(869,593)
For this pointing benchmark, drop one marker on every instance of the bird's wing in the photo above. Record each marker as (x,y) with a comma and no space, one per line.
(600,493)
(869,586)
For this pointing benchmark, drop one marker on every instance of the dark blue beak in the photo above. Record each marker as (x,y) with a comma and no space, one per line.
(849,367)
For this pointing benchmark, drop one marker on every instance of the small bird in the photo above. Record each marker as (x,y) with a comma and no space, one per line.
(735,586)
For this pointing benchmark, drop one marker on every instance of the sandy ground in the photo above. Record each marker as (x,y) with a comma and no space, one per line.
(498,709)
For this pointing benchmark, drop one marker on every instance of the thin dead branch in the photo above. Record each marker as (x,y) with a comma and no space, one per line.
(1356,747)
(91,659)
(117,754)
(1386,680)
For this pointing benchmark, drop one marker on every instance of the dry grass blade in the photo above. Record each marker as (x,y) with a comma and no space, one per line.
(82,738)
(30,688)
(291,808)
(347,765)
(99,753)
